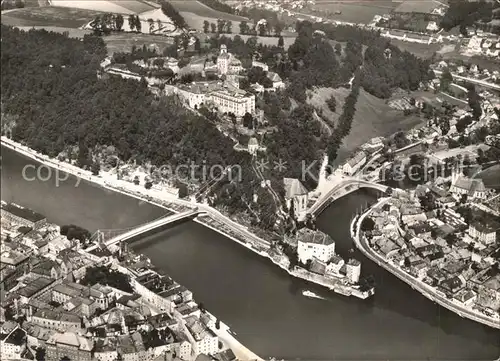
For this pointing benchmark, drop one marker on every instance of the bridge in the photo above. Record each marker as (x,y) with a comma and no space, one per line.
(127,234)
(346,186)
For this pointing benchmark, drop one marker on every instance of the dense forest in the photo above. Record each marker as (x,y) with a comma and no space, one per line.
(60,102)
(467,13)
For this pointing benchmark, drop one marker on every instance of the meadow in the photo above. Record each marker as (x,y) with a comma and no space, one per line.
(355,11)
(199,9)
(373,117)
(49,16)
(123,42)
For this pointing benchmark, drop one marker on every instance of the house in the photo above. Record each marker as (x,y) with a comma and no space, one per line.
(484,232)
(70,345)
(374,144)
(296,196)
(354,164)
(452,285)
(202,338)
(12,345)
(276,79)
(60,321)
(466,297)
(314,244)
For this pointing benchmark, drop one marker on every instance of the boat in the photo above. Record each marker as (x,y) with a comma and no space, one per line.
(310,294)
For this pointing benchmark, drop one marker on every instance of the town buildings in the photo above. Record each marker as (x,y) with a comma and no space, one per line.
(472,188)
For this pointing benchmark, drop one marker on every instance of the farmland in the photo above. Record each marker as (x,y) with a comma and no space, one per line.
(49,16)
(197,8)
(354,11)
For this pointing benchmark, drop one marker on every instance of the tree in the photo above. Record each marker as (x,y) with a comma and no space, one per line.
(244,28)
(278,28)
(368,225)
(474,102)
(131,22)
(151,25)
(213,27)
(169,10)
(229,26)
(262,29)
(136,180)
(206,26)
(159,24)
(138,24)
(96,167)
(338,49)
(40,354)
(248,120)
(281,42)
(119,22)
(332,103)
(220,25)
(446,79)
(148,185)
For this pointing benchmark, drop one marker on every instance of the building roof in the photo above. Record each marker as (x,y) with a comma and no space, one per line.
(22,212)
(358,157)
(253,141)
(470,185)
(293,187)
(274,77)
(306,235)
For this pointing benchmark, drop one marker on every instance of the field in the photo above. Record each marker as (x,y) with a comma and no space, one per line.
(124,42)
(49,16)
(115,7)
(373,118)
(420,6)
(355,11)
(197,8)
(420,50)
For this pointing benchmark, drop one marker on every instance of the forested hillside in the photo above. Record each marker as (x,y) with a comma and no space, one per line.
(49,81)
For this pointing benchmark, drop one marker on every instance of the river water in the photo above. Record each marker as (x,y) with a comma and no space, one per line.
(261,303)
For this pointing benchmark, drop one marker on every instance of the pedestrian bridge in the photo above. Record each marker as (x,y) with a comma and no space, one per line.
(340,190)
(127,234)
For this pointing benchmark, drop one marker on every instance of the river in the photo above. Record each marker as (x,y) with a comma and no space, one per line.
(261,303)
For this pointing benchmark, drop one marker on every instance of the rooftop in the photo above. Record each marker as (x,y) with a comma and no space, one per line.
(293,187)
(22,212)
(306,235)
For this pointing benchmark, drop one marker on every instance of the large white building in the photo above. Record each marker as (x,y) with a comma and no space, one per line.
(484,233)
(225,97)
(314,244)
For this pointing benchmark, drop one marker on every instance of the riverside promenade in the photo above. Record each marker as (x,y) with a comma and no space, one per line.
(428,291)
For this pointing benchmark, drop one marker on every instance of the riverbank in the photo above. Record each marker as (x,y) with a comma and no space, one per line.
(426,290)
(168,201)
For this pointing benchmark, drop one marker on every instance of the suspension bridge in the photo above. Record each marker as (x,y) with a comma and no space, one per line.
(109,237)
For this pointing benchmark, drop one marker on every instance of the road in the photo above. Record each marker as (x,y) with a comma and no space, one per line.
(426,290)
(471,80)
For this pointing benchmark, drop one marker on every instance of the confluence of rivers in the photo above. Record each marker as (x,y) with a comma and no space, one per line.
(260,302)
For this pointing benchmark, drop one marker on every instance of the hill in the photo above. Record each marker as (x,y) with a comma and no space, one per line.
(373,117)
